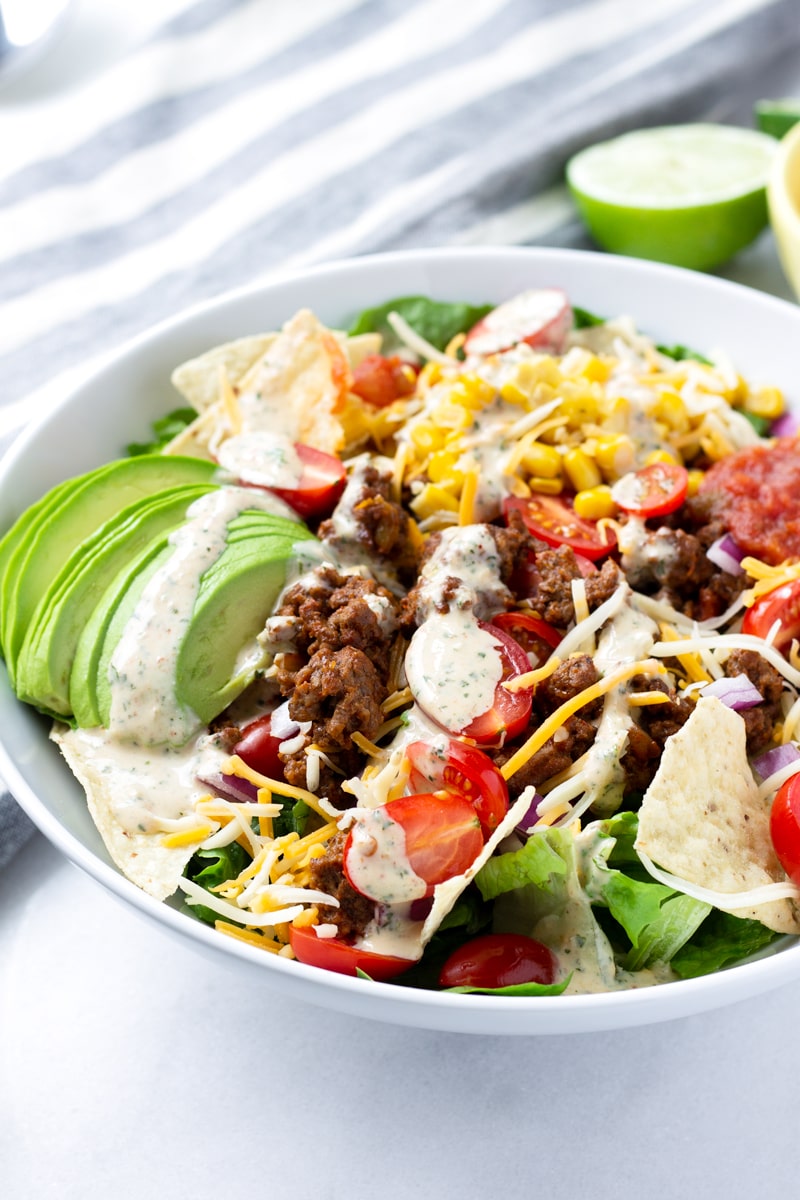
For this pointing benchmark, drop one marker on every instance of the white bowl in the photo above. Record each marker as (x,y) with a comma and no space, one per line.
(93,424)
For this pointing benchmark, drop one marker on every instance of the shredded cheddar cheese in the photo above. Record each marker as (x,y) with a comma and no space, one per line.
(566,710)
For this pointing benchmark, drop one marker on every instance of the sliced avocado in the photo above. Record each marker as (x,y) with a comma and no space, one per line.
(45,659)
(88,678)
(77,512)
(218,655)
(256,537)
(13,538)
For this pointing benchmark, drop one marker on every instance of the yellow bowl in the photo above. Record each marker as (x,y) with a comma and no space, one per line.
(783,194)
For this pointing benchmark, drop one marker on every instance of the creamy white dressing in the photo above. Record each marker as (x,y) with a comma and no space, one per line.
(264,458)
(377,862)
(627,637)
(150,789)
(468,553)
(142,673)
(453,667)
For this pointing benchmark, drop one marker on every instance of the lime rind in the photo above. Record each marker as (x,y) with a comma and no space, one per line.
(692,195)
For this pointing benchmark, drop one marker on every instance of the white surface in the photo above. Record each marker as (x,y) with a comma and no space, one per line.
(117,405)
(129,1068)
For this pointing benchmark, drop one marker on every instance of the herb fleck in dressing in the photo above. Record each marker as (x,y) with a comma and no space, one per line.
(263,459)
(453,667)
(142,672)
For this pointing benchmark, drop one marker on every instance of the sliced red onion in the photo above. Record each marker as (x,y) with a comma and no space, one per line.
(725,553)
(418,909)
(738,692)
(231,787)
(775,760)
(786,425)
(524,826)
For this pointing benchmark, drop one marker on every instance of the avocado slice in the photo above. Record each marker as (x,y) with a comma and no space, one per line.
(88,683)
(12,539)
(45,659)
(262,543)
(74,514)
(219,655)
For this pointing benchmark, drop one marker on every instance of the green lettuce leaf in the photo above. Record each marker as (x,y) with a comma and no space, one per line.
(722,940)
(210,868)
(539,893)
(680,353)
(583,319)
(542,861)
(656,919)
(433,320)
(516,989)
(293,818)
(164,430)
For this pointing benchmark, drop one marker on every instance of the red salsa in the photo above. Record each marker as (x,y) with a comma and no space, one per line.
(759,498)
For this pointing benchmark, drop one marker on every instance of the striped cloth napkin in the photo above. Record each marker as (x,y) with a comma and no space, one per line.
(240,136)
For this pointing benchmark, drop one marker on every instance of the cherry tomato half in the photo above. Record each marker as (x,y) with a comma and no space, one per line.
(499,960)
(258,748)
(380,381)
(331,954)
(783,604)
(653,491)
(320,485)
(784,827)
(553,521)
(510,711)
(537,638)
(442,838)
(466,771)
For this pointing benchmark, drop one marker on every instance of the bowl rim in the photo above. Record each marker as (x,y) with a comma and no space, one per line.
(641,1005)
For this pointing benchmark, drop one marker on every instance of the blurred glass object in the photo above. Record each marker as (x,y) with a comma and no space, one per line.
(25,26)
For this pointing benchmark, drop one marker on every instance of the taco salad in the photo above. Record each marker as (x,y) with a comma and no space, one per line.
(457,650)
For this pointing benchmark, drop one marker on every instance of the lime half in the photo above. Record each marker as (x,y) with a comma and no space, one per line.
(693,195)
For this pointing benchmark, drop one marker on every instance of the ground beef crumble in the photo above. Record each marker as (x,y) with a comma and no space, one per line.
(381,527)
(355,911)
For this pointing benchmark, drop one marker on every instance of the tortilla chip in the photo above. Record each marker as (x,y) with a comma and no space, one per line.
(702,817)
(198,379)
(140,856)
(445,894)
(360,347)
(195,440)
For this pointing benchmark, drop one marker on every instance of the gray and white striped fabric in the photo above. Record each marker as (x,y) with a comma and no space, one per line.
(245,135)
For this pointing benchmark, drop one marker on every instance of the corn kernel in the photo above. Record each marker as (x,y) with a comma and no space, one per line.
(442,468)
(661,456)
(767,402)
(540,370)
(433,499)
(616,416)
(596,370)
(547,487)
(542,460)
(512,393)
(580,409)
(615,455)
(430,374)
(582,471)
(695,478)
(672,410)
(595,503)
(517,487)
(472,392)
(426,437)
